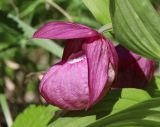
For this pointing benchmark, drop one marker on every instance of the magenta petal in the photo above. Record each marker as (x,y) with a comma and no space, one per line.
(99,53)
(87,69)
(66,83)
(133,70)
(64,30)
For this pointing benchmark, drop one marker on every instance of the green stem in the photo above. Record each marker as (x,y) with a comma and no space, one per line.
(6,110)
(105,28)
(14,7)
(56,6)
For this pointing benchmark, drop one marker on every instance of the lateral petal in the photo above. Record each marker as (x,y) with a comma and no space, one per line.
(101,63)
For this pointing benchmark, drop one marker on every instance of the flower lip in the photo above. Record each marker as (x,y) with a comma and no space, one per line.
(73,95)
(74,59)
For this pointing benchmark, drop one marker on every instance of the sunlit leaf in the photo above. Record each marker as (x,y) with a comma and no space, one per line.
(144,114)
(116,101)
(73,121)
(35,116)
(100,10)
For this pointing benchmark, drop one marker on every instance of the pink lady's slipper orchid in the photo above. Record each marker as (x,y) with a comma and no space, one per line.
(133,70)
(87,68)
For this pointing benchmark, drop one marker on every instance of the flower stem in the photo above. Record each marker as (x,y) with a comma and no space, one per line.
(56,6)
(14,7)
(105,28)
(6,110)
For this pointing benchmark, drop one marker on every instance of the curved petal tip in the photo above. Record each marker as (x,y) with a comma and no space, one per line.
(64,30)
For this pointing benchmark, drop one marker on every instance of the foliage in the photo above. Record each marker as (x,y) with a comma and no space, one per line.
(35,116)
(23,61)
(136,25)
(99,9)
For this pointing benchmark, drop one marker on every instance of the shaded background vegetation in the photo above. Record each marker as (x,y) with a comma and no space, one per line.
(24,60)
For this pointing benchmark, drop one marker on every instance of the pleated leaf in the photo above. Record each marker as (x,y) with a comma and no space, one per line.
(100,10)
(114,102)
(136,26)
(145,114)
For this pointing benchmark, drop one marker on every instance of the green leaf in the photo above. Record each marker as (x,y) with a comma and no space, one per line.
(100,10)
(119,99)
(3,4)
(128,99)
(154,84)
(116,101)
(35,116)
(5,109)
(29,9)
(157,82)
(154,87)
(73,121)
(46,44)
(144,114)
(136,26)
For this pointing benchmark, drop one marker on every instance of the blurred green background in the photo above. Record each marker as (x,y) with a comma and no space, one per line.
(22,59)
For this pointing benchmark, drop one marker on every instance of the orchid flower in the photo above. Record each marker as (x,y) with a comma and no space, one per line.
(133,70)
(86,71)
